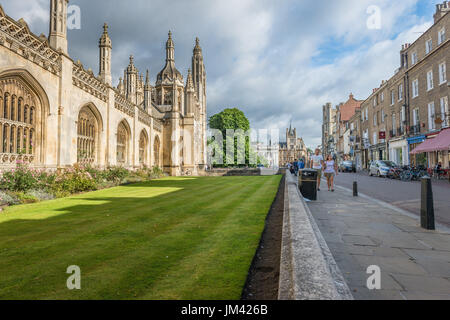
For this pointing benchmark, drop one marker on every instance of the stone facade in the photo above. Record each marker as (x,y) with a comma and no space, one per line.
(293,149)
(355,138)
(337,134)
(54,113)
(328,129)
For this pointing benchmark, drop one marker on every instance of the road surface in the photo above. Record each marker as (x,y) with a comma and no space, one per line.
(405,195)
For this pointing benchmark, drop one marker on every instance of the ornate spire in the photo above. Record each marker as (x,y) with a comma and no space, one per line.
(120,85)
(147,92)
(170,48)
(105,40)
(169,72)
(131,68)
(189,81)
(197,48)
(147,85)
(58,22)
(147,78)
(105,47)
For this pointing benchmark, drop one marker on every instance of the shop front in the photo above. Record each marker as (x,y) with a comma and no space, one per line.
(419,159)
(436,147)
(378,152)
(398,151)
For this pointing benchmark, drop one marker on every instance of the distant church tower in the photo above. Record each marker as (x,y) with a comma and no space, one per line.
(105,47)
(58,25)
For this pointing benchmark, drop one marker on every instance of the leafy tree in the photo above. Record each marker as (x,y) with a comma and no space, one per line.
(229,119)
(233,119)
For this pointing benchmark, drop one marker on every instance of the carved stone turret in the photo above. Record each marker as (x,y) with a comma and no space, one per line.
(169,73)
(131,81)
(58,25)
(105,46)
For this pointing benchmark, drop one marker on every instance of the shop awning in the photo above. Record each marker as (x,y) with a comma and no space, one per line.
(440,143)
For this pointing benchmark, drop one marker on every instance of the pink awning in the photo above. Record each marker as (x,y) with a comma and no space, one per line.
(440,143)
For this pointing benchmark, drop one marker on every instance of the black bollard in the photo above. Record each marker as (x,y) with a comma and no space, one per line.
(427,208)
(355,188)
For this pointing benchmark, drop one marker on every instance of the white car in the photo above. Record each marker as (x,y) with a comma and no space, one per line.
(379,168)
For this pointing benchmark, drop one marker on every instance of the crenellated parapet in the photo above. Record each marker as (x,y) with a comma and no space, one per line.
(144,117)
(85,80)
(122,104)
(157,125)
(16,36)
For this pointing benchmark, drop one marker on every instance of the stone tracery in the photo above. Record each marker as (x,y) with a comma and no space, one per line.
(17,121)
(88,128)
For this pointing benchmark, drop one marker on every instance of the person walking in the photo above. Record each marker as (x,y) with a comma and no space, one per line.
(296,167)
(317,163)
(301,164)
(330,172)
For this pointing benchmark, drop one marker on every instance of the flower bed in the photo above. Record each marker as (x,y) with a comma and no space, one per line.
(26,185)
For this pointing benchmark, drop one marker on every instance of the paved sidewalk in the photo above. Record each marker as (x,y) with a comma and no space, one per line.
(360,232)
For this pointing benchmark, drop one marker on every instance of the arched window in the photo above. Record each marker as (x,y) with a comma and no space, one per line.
(5,106)
(25,141)
(12,136)
(21,133)
(32,115)
(25,114)
(122,143)
(12,113)
(87,129)
(19,140)
(15,139)
(31,141)
(143,144)
(5,138)
(19,110)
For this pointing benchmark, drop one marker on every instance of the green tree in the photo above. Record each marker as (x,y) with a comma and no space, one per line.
(233,119)
(229,119)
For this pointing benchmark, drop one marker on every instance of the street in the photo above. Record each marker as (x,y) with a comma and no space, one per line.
(405,195)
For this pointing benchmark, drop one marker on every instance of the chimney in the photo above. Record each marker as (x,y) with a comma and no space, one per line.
(404,56)
(441,10)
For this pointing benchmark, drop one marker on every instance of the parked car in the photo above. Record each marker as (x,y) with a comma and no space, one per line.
(347,166)
(380,168)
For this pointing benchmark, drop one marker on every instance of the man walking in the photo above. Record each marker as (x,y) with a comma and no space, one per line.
(296,167)
(301,164)
(317,163)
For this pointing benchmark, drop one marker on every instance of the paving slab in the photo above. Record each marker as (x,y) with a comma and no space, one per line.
(430,285)
(361,231)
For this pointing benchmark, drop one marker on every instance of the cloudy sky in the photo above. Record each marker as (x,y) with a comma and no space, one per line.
(277,60)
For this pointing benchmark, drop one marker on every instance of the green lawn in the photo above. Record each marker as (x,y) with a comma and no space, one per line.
(174,238)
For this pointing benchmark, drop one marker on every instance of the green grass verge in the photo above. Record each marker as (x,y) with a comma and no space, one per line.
(173,238)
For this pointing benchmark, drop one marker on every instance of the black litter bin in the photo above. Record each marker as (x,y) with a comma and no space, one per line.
(307,183)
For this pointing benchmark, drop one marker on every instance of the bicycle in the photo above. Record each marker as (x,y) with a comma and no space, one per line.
(406,175)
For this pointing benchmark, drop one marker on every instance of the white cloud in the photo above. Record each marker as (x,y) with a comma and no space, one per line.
(279,61)
(31,11)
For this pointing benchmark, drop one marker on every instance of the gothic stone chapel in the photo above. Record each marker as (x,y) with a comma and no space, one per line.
(54,113)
